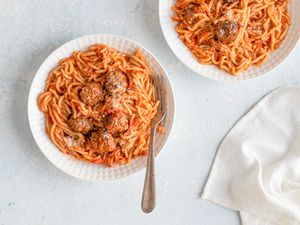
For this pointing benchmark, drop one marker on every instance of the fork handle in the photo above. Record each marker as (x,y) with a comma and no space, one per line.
(148,199)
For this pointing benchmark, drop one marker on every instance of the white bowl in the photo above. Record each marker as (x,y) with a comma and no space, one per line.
(213,72)
(72,166)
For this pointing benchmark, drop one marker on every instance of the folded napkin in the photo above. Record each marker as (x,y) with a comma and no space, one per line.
(257,167)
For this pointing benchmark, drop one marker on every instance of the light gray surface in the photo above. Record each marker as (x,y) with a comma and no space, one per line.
(32,191)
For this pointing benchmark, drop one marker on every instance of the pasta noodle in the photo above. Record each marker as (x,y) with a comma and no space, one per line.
(99,105)
(232,34)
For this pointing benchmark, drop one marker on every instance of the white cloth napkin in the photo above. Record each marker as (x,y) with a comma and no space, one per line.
(257,167)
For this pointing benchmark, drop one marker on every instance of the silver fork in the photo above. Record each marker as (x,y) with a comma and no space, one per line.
(148,199)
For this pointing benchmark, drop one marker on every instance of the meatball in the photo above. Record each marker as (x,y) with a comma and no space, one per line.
(189,13)
(116,83)
(71,141)
(113,104)
(92,93)
(81,124)
(110,105)
(102,141)
(116,122)
(226,31)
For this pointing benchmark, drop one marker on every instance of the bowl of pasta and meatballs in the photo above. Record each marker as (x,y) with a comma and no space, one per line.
(91,104)
(231,40)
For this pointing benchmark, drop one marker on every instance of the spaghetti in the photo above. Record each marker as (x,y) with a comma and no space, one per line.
(99,105)
(232,34)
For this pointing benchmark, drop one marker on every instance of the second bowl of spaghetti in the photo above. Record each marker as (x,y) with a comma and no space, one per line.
(231,39)
(91,104)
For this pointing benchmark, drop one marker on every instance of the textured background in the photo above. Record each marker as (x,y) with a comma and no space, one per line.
(32,191)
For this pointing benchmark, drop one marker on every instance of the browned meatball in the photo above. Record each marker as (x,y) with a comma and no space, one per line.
(112,104)
(226,31)
(92,93)
(71,141)
(116,83)
(102,141)
(116,122)
(189,13)
(81,124)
